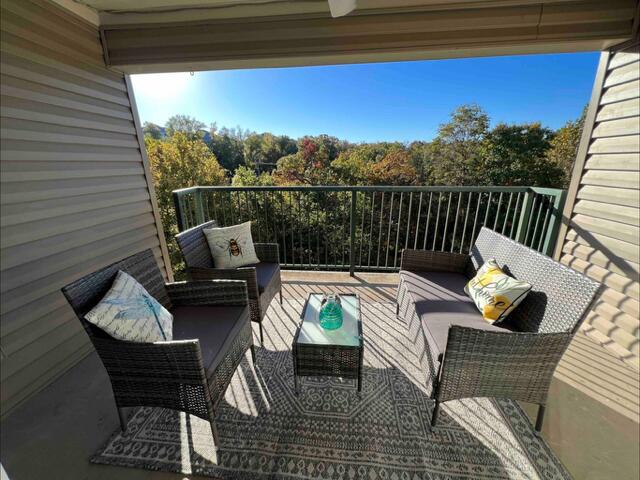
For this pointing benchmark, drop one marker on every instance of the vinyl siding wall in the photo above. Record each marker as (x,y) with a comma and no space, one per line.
(74,187)
(594,410)
(603,238)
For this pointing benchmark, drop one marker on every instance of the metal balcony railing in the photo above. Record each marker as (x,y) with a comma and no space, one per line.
(366,228)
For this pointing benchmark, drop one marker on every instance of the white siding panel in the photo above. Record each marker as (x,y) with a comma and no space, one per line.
(74,193)
(603,238)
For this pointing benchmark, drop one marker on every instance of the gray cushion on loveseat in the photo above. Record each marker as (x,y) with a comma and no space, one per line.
(440,301)
(215,326)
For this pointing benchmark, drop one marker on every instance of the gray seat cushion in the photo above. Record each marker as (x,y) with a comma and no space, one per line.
(265,272)
(215,326)
(440,301)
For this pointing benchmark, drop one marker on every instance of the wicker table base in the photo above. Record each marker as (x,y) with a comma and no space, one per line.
(332,353)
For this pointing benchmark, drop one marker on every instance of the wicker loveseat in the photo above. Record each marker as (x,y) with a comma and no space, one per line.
(263,279)
(467,357)
(211,334)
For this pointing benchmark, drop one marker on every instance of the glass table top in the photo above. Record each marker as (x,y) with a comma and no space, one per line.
(347,335)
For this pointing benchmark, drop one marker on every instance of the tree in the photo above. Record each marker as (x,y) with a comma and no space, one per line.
(227,145)
(365,164)
(263,150)
(394,169)
(454,156)
(185,124)
(179,162)
(246,177)
(564,147)
(515,155)
(152,130)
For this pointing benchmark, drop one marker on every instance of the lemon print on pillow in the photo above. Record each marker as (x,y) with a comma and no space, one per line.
(494,292)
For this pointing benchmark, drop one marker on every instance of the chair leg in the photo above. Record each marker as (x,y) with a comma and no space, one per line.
(434,415)
(214,432)
(123,419)
(540,418)
(261,334)
(280,295)
(253,354)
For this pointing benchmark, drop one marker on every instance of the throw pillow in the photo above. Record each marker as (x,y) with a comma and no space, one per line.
(129,312)
(495,293)
(231,247)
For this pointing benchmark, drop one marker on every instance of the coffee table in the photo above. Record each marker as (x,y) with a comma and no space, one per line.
(320,352)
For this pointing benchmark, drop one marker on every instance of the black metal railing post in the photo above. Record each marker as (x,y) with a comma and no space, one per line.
(352,234)
(179,211)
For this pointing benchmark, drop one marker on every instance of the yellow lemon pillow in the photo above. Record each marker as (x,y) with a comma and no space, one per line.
(494,292)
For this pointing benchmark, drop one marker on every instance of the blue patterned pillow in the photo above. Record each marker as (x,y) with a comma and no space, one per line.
(129,312)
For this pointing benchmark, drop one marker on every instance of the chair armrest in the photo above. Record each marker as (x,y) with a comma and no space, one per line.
(480,363)
(247,274)
(268,252)
(208,292)
(153,374)
(429,261)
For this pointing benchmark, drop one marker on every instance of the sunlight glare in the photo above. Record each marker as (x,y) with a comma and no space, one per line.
(162,85)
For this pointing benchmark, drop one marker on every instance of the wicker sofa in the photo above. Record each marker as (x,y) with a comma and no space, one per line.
(211,334)
(263,279)
(465,356)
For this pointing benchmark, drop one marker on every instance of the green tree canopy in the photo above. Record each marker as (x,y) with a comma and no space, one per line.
(564,147)
(179,162)
(514,155)
(454,156)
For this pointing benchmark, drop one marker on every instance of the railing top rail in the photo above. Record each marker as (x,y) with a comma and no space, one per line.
(368,188)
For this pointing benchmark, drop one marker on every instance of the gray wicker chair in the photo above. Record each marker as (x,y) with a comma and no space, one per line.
(211,334)
(468,357)
(263,279)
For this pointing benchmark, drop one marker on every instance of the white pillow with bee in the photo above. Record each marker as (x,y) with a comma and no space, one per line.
(231,247)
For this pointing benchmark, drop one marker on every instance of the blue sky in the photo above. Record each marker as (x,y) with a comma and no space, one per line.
(373,102)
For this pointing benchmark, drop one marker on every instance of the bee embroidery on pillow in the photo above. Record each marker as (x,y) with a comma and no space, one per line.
(233,246)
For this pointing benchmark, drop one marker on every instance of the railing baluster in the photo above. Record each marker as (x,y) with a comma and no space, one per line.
(475,219)
(380,231)
(506,214)
(495,221)
(386,257)
(373,200)
(486,214)
(352,233)
(535,228)
(466,220)
(395,251)
(426,228)
(435,230)
(455,223)
(515,215)
(545,226)
(415,240)
(406,238)
(446,223)
(364,198)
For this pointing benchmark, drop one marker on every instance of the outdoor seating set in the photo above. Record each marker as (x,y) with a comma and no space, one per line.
(465,355)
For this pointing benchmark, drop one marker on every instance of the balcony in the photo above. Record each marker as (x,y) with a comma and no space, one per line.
(364,229)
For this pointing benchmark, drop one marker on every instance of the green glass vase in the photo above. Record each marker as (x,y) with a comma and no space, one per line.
(331,312)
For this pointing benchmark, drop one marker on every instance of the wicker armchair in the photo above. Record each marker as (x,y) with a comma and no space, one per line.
(466,356)
(263,279)
(211,334)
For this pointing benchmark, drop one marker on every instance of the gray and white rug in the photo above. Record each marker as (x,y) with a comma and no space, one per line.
(330,431)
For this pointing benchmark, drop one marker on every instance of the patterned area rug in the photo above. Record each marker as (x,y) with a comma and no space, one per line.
(329,431)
